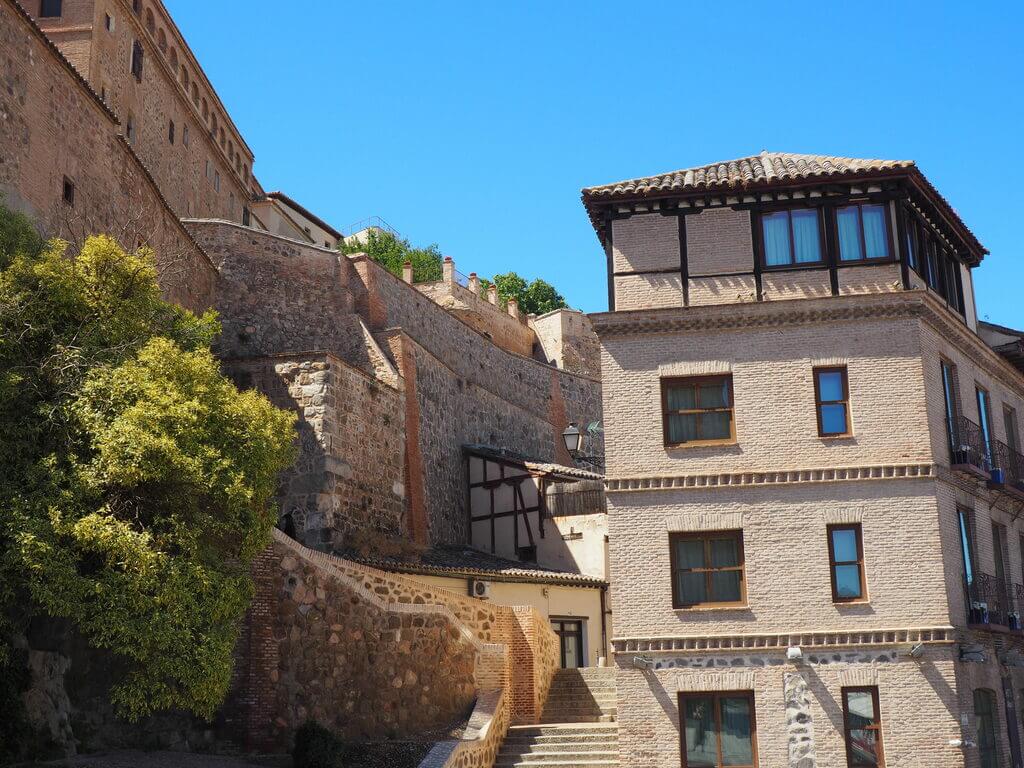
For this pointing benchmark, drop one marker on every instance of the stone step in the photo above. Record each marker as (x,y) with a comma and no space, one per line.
(546,750)
(562,729)
(563,740)
(608,717)
(592,685)
(582,696)
(569,763)
(581,706)
(544,758)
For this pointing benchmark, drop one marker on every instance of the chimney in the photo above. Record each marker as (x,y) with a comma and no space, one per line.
(448,270)
(407,272)
(474,283)
(492,294)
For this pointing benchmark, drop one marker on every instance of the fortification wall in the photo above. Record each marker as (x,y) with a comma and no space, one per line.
(54,129)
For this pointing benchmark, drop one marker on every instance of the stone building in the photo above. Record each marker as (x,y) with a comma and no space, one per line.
(813,477)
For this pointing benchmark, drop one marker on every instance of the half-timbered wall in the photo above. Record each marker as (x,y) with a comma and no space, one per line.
(505,508)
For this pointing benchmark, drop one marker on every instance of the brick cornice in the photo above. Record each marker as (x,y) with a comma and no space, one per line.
(780,641)
(924,470)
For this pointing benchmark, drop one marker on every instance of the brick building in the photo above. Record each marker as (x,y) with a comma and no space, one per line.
(813,471)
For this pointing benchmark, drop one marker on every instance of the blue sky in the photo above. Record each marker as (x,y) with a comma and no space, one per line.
(474,125)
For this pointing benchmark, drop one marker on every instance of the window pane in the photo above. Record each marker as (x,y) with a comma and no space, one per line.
(689,553)
(725,587)
(965,545)
(848,581)
(860,707)
(724,553)
(776,238)
(844,545)
(912,244)
(849,234)
(876,244)
(701,741)
(682,398)
(864,748)
(691,587)
(714,395)
(715,426)
(833,419)
(737,748)
(682,427)
(806,242)
(830,385)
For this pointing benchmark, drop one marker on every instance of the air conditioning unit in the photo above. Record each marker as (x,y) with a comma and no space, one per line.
(480,589)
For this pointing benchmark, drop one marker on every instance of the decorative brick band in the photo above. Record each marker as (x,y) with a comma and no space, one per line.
(695,368)
(712,681)
(843,516)
(780,477)
(782,641)
(723,521)
(858,676)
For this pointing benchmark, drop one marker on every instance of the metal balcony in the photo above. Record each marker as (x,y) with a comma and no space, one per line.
(988,459)
(993,604)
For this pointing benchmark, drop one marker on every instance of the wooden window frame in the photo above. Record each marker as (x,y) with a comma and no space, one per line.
(715,696)
(818,402)
(877,725)
(859,205)
(859,562)
(706,536)
(793,264)
(670,381)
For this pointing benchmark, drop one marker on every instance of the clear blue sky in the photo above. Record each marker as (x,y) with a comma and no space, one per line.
(474,125)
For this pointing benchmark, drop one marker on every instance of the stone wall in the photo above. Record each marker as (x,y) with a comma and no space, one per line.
(55,127)
(349,476)
(568,340)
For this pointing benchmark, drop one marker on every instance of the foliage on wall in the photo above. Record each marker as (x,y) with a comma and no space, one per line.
(135,480)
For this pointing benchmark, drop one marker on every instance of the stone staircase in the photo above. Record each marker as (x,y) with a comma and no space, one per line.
(577,729)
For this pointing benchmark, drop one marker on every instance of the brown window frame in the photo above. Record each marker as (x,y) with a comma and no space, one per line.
(818,402)
(793,264)
(682,696)
(859,205)
(877,726)
(706,537)
(670,381)
(832,563)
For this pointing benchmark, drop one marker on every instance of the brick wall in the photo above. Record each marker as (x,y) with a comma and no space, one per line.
(718,242)
(349,476)
(55,127)
(644,242)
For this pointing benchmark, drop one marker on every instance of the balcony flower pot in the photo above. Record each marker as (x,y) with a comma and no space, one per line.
(998,475)
(979,613)
(966,455)
(1013,620)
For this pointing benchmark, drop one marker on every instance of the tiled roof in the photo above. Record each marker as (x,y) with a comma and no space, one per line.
(764,168)
(466,562)
(539,467)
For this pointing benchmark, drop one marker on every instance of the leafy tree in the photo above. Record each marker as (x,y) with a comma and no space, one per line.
(392,252)
(135,480)
(533,298)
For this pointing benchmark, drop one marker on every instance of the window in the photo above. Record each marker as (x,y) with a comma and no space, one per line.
(985,717)
(863,232)
(136,7)
(103,94)
(108,22)
(791,237)
(170,131)
(913,244)
(50,8)
(707,569)
(216,180)
(137,55)
(129,129)
(832,401)
(999,553)
(246,216)
(718,730)
(184,136)
(984,420)
(862,727)
(967,544)
(207,168)
(846,562)
(69,192)
(949,388)
(1013,440)
(697,410)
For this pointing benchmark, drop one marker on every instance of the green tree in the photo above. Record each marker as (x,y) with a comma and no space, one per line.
(392,252)
(534,298)
(135,480)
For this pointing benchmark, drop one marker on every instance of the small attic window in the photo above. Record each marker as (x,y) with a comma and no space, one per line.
(69,192)
(49,9)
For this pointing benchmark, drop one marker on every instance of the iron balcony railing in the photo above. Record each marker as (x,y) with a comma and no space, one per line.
(992,601)
(977,452)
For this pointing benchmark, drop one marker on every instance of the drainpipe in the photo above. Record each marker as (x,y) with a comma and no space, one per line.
(604,628)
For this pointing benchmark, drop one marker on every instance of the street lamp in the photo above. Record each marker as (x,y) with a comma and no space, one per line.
(573,438)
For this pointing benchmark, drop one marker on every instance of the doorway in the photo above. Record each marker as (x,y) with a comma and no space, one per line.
(570,639)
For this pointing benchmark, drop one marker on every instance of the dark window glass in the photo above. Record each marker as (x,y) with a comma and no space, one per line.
(69,191)
(831,394)
(846,559)
(50,8)
(952,411)
(985,718)
(697,409)
(984,421)
(719,730)
(863,728)
(170,131)
(137,56)
(707,569)
(913,244)
(863,233)
(791,237)
(966,545)
(931,272)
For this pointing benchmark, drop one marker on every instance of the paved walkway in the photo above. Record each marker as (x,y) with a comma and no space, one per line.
(133,759)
